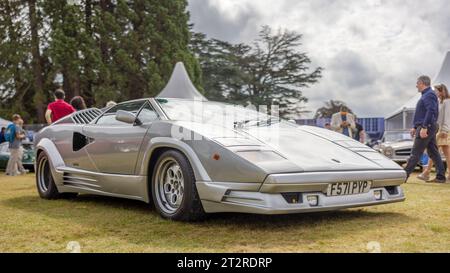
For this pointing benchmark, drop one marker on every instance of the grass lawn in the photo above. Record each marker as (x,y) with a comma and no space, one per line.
(101,224)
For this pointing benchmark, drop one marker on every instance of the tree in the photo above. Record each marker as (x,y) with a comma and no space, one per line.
(331,107)
(219,60)
(271,71)
(38,83)
(21,82)
(140,43)
(104,50)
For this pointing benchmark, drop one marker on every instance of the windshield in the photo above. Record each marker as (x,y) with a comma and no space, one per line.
(214,113)
(397,136)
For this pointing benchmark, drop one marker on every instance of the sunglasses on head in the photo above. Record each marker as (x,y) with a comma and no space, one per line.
(440,88)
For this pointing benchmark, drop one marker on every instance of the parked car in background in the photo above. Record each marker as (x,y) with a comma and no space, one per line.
(28,155)
(371,142)
(397,145)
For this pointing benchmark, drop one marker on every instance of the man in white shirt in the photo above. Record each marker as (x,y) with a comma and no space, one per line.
(343,122)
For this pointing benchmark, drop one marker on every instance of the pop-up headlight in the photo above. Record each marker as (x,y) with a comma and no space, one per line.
(259,156)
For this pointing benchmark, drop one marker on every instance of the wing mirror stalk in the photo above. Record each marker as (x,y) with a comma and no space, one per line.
(127,117)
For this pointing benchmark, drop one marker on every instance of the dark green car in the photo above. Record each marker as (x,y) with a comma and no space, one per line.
(28,155)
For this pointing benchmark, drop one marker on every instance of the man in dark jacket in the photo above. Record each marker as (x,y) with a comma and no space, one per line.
(425,129)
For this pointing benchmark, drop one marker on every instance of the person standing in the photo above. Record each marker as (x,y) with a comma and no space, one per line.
(343,122)
(443,139)
(20,167)
(425,129)
(110,104)
(2,135)
(15,143)
(59,108)
(78,103)
(360,134)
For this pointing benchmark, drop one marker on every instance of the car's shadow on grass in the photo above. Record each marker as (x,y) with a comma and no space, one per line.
(253,221)
(102,219)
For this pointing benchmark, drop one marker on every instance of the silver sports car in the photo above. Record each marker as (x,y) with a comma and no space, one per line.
(189,157)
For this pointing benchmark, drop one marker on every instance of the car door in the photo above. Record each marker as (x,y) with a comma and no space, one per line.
(114,145)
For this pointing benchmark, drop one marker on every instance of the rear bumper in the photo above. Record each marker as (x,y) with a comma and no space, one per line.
(268,198)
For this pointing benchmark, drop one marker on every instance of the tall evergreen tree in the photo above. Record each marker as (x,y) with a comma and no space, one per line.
(271,71)
(331,107)
(151,36)
(104,50)
(219,61)
(21,80)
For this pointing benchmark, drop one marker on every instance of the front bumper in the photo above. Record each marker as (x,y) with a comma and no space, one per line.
(267,198)
(400,160)
(28,166)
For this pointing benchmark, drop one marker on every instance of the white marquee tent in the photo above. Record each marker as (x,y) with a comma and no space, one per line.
(402,118)
(180,86)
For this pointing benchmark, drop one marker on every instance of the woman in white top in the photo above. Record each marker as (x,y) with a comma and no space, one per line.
(443,135)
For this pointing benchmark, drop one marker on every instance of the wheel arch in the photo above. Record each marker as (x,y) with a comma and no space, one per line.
(158,146)
(54,157)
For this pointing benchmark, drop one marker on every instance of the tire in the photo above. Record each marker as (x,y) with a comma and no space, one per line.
(44,180)
(174,193)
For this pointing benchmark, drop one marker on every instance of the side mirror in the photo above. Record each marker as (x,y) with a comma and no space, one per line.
(127,117)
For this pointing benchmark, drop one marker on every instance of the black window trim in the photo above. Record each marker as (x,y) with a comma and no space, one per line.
(122,103)
(151,106)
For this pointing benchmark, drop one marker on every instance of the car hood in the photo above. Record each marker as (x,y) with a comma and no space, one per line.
(310,149)
(398,145)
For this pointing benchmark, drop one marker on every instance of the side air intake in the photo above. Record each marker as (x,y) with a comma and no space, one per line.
(79,141)
(79,181)
(86,116)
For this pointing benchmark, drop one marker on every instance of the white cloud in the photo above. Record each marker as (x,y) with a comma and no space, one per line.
(372,50)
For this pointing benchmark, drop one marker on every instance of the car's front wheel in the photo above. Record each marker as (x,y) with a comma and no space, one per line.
(173,188)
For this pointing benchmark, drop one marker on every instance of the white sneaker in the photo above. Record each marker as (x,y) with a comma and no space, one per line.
(423,177)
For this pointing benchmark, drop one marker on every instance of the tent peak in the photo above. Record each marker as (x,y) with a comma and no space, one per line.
(180,86)
(442,77)
(444,73)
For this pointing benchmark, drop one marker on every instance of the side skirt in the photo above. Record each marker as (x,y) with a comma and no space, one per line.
(114,185)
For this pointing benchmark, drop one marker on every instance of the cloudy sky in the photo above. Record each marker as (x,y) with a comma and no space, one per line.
(372,50)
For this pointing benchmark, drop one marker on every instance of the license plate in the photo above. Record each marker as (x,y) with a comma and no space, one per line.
(348,188)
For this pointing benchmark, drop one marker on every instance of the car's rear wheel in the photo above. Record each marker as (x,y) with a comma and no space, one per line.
(44,180)
(173,188)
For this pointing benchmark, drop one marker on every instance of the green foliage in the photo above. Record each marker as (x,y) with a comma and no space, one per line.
(270,71)
(331,107)
(104,49)
(15,72)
